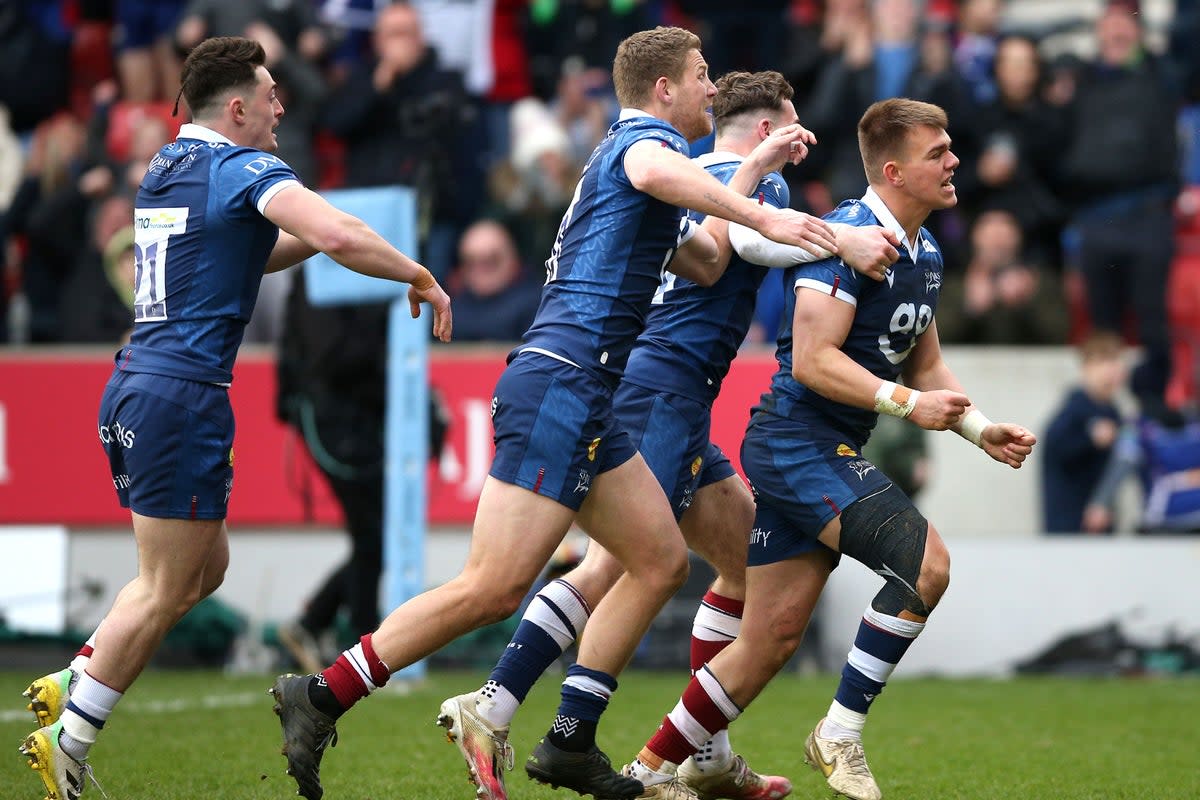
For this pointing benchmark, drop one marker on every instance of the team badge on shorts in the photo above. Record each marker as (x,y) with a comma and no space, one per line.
(862,468)
(592,448)
(846,450)
(696,465)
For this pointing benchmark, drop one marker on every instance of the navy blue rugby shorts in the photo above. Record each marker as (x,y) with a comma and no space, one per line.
(554,429)
(802,477)
(671,432)
(169,443)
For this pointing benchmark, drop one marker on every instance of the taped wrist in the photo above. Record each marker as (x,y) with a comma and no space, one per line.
(423,280)
(895,400)
(972,425)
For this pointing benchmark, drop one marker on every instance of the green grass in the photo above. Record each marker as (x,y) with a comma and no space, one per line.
(970,740)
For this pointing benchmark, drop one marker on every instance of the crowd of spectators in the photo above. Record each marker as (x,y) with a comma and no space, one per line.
(1072,156)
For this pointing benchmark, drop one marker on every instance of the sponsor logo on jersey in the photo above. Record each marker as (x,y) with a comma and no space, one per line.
(163,221)
(592,448)
(933,280)
(862,468)
(846,450)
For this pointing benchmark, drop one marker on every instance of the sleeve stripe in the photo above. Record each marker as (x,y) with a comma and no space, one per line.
(830,289)
(273,190)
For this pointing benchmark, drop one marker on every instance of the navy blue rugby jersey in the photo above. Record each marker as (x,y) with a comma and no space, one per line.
(201,245)
(693,332)
(612,249)
(889,316)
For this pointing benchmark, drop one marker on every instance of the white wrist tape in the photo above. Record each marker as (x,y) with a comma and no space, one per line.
(898,401)
(972,425)
(687,229)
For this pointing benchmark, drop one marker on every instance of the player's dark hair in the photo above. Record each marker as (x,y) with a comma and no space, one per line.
(646,56)
(216,66)
(749,92)
(884,128)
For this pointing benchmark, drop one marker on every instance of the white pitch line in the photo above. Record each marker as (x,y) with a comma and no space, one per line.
(167,706)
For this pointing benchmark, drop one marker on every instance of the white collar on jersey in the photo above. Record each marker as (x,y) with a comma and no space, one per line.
(718,157)
(632,113)
(190,130)
(888,220)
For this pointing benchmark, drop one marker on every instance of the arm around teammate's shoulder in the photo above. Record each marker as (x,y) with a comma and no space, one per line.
(348,240)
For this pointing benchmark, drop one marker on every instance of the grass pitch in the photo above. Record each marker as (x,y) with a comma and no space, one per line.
(202,736)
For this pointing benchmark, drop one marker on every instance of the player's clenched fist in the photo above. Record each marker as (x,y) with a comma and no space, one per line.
(939,409)
(1007,443)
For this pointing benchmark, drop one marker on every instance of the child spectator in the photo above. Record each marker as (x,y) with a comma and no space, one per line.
(1081,436)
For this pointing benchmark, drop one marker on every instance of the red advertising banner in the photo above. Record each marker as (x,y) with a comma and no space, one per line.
(53,470)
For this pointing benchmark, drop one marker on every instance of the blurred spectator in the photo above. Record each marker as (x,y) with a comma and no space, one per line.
(585,106)
(1003,297)
(301,90)
(872,51)
(494,299)
(534,187)
(406,120)
(746,36)
(116,160)
(1163,448)
(975,51)
(483,41)
(49,213)
(294,21)
(147,64)
(34,62)
(97,301)
(1080,436)
(349,24)
(1020,140)
(1120,170)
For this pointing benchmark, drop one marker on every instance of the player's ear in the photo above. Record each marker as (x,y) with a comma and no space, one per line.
(893,174)
(662,89)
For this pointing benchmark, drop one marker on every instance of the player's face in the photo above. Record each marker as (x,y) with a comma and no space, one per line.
(693,98)
(928,168)
(263,111)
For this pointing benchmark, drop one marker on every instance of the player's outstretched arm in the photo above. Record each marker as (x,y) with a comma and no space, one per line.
(928,373)
(673,178)
(868,249)
(349,241)
(288,251)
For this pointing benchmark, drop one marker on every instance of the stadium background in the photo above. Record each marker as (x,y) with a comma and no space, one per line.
(1014,592)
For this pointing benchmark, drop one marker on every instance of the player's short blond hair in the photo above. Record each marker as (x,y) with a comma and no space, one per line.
(646,56)
(744,92)
(884,128)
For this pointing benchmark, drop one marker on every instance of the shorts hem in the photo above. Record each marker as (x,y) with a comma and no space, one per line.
(186,515)
(512,480)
